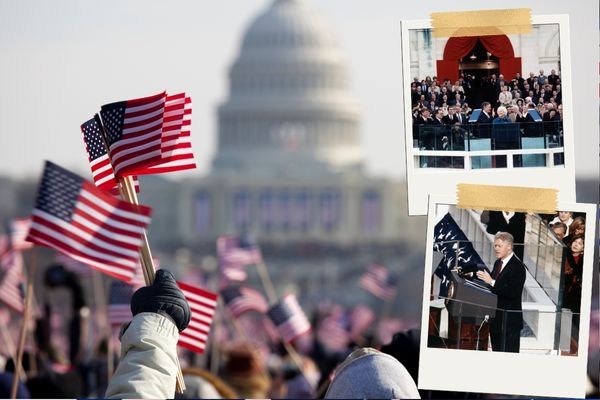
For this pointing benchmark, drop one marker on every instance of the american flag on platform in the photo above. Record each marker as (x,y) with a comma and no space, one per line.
(133,131)
(77,219)
(241,251)
(176,144)
(240,300)
(379,281)
(12,282)
(289,319)
(19,228)
(119,303)
(102,170)
(456,248)
(203,305)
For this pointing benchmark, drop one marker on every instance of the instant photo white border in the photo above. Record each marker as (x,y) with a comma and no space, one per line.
(421,180)
(508,373)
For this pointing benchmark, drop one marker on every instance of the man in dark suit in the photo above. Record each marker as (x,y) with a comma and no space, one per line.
(506,281)
(484,120)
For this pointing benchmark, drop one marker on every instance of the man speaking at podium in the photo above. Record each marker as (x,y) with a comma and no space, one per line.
(506,281)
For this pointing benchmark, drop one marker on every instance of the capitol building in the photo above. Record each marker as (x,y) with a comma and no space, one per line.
(289,164)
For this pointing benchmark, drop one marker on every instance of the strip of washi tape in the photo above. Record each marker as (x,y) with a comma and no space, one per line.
(481,22)
(506,198)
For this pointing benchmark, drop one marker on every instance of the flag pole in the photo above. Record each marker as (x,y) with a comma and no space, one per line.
(23,332)
(297,359)
(127,190)
(266,281)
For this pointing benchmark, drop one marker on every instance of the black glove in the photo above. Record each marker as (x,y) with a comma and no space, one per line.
(163,297)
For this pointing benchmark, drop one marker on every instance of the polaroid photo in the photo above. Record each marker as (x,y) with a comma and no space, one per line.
(506,300)
(494,109)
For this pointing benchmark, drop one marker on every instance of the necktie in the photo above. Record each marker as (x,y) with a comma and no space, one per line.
(496,270)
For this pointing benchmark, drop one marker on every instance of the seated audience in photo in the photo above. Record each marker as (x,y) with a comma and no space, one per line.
(573,273)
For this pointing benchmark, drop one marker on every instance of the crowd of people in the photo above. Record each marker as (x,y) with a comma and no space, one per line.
(501,99)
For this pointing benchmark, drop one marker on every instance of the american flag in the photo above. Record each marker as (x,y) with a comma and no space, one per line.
(138,279)
(102,170)
(176,144)
(133,131)
(289,319)
(240,300)
(12,290)
(203,305)
(119,303)
(77,219)
(18,232)
(456,248)
(379,281)
(231,273)
(361,319)
(332,330)
(241,251)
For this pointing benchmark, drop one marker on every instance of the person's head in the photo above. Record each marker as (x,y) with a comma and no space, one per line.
(577,244)
(564,216)
(553,72)
(486,106)
(368,373)
(560,230)
(577,227)
(503,88)
(502,111)
(503,244)
(531,74)
(518,75)
(557,88)
(439,113)
(541,72)
(514,109)
(425,112)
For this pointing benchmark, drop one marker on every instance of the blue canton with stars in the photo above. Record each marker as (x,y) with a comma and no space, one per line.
(446,234)
(93,139)
(58,192)
(113,118)
(281,313)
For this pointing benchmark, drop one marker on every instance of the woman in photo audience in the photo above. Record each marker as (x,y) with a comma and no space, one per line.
(572,284)
(502,117)
(577,227)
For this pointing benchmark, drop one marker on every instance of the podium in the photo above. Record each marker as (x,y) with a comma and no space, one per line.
(468,304)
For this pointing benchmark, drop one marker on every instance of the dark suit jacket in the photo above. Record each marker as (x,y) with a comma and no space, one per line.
(509,289)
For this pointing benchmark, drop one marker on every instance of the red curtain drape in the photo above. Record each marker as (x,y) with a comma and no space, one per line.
(459,47)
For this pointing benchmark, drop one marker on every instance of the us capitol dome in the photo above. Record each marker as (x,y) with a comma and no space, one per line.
(289,110)
(288,165)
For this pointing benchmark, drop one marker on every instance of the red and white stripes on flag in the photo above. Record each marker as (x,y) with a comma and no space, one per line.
(233,250)
(133,131)
(12,281)
(70,264)
(176,144)
(379,281)
(289,319)
(240,300)
(19,228)
(203,305)
(77,219)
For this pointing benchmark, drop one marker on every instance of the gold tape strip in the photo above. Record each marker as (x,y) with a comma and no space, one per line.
(481,22)
(506,198)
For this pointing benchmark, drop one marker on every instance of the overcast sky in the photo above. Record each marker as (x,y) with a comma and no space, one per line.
(60,60)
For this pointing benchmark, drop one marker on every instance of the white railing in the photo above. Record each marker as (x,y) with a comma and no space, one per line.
(467,155)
